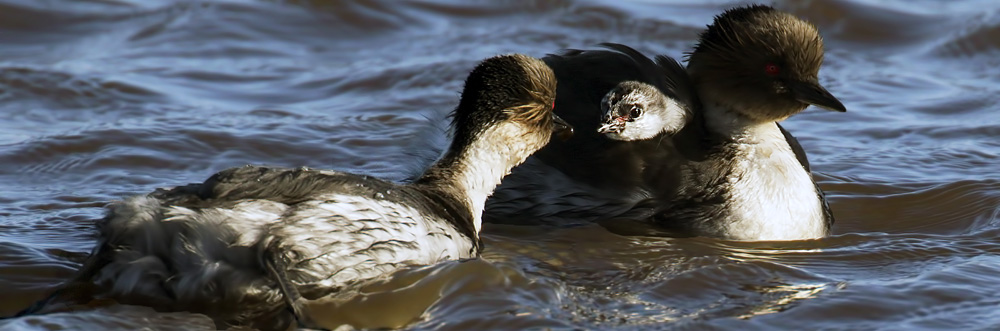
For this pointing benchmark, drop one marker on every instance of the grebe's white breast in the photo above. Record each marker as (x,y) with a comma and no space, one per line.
(765,192)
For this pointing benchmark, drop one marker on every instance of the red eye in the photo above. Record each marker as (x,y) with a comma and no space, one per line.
(771,69)
(553,105)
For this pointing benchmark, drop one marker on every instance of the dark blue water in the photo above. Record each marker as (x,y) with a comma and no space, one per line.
(100,99)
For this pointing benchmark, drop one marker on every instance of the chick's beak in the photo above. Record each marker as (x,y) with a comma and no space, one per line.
(814,94)
(616,125)
(561,129)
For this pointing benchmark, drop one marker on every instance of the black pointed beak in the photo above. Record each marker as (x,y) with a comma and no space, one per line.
(561,129)
(814,94)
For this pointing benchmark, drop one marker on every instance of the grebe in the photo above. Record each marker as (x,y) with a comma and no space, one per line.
(732,172)
(241,245)
(753,67)
(638,111)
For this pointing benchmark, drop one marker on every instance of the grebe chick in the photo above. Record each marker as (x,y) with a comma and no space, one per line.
(752,67)
(591,177)
(241,244)
(638,111)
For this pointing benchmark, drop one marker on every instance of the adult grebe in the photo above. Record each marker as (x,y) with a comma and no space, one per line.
(249,239)
(753,67)
(731,172)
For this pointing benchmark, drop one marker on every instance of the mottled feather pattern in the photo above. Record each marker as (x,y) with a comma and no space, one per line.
(184,257)
(338,239)
(206,249)
(251,241)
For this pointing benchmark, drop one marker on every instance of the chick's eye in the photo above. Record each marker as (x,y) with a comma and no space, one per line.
(635,112)
(771,69)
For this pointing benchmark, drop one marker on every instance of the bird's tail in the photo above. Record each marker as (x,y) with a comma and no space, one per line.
(73,293)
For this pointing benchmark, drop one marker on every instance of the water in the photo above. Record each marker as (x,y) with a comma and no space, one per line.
(105,98)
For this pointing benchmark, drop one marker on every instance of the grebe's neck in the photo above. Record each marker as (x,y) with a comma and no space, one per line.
(470,171)
(728,121)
